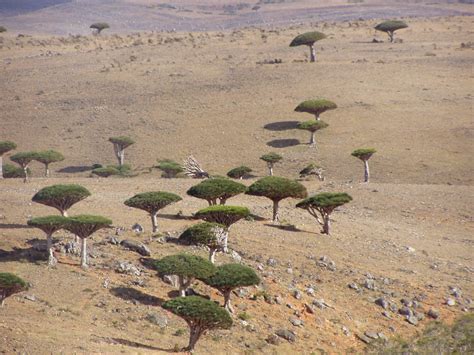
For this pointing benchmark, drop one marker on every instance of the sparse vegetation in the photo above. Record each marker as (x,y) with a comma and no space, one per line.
(170,168)
(308,39)
(9,285)
(316,107)
(106,171)
(312,126)
(23,159)
(240,172)
(324,204)
(120,144)
(389,27)
(187,267)
(276,189)
(61,197)
(47,157)
(229,277)
(84,226)
(200,314)
(312,169)
(208,234)
(215,189)
(49,225)
(271,159)
(11,171)
(5,147)
(99,26)
(364,154)
(152,202)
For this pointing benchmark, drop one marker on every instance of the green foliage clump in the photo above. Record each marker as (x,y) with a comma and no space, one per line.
(84,225)
(6,146)
(122,141)
(60,196)
(316,107)
(215,189)
(240,172)
(23,158)
(201,234)
(99,26)
(276,189)
(226,215)
(271,158)
(170,168)
(10,284)
(310,169)
(11,171)
(3,29)
(200,314)
(48,224)
(390,27)
(363,153)
(307,39)
(324,204)
(152,202)
(106,172)
(312,125)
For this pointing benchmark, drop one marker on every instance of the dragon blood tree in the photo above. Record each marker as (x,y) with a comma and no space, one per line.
(239,173)
(308,39)
(84,226)
(5,147)
(120,144)
(364,154)
(23,159)
(211,235)
(316,107)
(271,159)
(229,277)
(49,225)
(187,267)
(48,157)
(99,27)
(312,126)
(170,168)
(9,285)
(276,189)
(214,189)
(152,202)
(321,206)
(225,215)
(390,26)
(200,314)
(61,197)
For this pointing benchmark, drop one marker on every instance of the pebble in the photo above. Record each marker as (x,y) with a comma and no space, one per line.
(450,302)
(382,302)
(297,294)
(296,322)
(310,291)
(138,247)
(353,286)
(236,256)
(319,303)
(272,262)
(412,320)
(433,313)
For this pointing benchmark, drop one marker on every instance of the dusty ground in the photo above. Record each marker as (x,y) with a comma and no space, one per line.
(203,93)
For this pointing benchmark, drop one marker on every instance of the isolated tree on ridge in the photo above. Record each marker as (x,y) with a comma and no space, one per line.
(229,277)
(120,144)
(208,234)
(47,157)
(187,267)
(9,285)
(49,225)
(23,159)
(364,154)
(390,26)
(84,226)
(152,202)
(5,147)
(99,26)
(276,189)
(324,204)
(308,39)
(312,126)
(271,159)
(200,314)
(316,107)
(61,197)
(240,172)
(214,189)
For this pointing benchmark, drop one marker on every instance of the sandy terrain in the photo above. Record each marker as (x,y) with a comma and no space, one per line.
(410,230)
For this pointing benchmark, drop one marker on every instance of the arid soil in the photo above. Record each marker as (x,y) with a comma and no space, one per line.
(408,234)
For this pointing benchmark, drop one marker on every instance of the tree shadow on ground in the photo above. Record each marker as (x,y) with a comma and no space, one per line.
(257,218)
(75,169)
(175,216)
(14,226)
(32,255)
(285,227)
(281,126)
(283,143)
(132,294)
(133,344)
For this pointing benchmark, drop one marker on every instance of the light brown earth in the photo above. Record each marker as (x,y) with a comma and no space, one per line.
(203,94)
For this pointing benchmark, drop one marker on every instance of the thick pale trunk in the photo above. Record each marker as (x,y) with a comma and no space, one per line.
(316,117)
(1,167)
(270,169)
(312,141)
(366,171)
(122,157)
(119,153)
(183,286)
(212,255)
(276,217)
(64,213)
(51,259)
(195,334)
(327,224)
(46,170)
(84,253)
(390,35)
(25,173)
(154,222)
(312,57)
(225,249)
(227,304)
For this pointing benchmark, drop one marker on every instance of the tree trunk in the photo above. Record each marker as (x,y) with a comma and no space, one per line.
(84,253)
(1,167)
(225,249)
(51,259)
(316,117)
(366,171)
(154,222)
(312,57)
(276,217)
(390,35)
(195,334)
(212,255)
(122,157)
(312,141)
(46,170)
(64,213)
(270,169)
(25,172)
(227,304)
(183,285)
(327,223)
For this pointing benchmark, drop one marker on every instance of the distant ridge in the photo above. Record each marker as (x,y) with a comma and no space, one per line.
(16,7)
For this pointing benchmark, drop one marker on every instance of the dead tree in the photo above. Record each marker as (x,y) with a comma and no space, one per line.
(193,169)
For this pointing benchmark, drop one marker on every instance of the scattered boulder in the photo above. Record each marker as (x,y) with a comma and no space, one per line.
(125,267)
(433,313)
(138,247)
(296,322)
(382,302)
(157,319)
(138,228)
(273,339)
(286,334)
(272,262)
